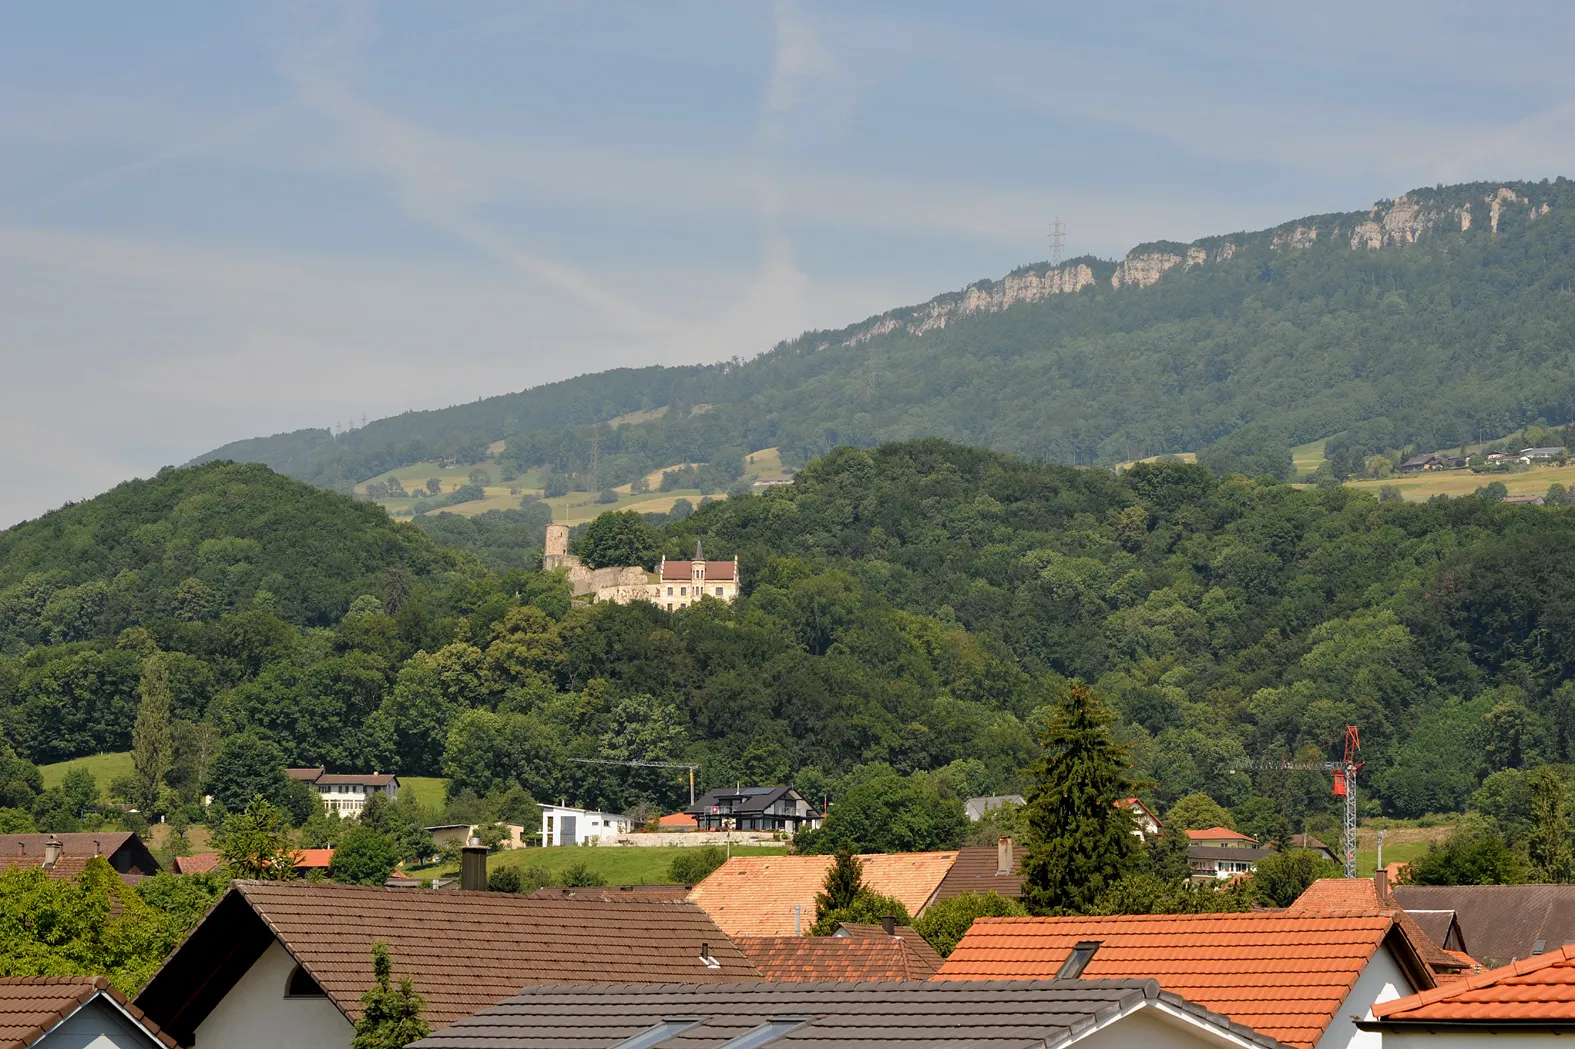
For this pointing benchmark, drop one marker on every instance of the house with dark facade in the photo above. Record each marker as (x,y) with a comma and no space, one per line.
(754,808)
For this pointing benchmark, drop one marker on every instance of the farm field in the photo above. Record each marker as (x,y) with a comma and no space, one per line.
(620,866)
(1308,457)
(1418,488)
(105,767)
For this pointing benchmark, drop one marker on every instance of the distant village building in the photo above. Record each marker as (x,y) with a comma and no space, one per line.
(1543,453)
(695,579)
(674,585)
(1220,853)
(584,580)
(566,825)
(1419,463)
(975,808)
(754,808)
(347,793)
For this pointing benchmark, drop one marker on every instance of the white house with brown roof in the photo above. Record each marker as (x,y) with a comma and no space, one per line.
(72,1012)
(682,583)
(346,793)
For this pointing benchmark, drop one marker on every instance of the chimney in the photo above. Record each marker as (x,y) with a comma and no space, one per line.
(1003,857)
(52,850)
(97,851)
(473,866)
(1381,883)
(889,923)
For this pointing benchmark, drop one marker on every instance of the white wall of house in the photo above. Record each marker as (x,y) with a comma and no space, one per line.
(1488,1035)
(588,824)
(1382,981)
(257,1015)
(98,1025)
(1154,1028)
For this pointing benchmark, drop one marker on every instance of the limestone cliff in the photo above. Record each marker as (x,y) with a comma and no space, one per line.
(1388,224)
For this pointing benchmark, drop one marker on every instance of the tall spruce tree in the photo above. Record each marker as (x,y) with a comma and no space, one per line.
(1079,841)
(1548,845)
(152,741)
(390,1015)
(843,881)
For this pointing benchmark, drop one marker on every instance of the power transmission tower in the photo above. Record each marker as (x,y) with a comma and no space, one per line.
(646,765)
(1345,771)
(1057,241)
(596,458)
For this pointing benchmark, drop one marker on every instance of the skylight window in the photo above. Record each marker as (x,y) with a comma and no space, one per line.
(766,1033)
(1077,961)
(660,1033)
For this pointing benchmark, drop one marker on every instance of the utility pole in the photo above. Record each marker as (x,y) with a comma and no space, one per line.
(1057,241)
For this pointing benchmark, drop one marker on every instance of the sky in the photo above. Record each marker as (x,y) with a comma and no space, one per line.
(220,221)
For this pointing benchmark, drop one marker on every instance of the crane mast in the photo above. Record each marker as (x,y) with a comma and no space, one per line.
(1344,774)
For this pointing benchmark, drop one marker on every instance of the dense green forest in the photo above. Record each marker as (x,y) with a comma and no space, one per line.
(910,613)
(1249,344)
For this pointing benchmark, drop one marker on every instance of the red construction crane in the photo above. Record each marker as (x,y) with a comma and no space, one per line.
(1344,772)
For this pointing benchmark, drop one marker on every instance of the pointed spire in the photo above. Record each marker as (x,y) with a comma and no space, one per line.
(699,555)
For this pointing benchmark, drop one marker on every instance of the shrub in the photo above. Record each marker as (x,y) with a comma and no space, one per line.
(945,922)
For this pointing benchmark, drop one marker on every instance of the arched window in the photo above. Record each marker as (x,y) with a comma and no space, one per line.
(301,985)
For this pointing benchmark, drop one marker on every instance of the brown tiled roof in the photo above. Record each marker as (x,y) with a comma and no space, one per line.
(907,933)
(755,895)
(974,870)
(619,892)
(306,775)
(79,843)
(1218,834)
(1039,1015)
(465,950)
(1500,923)
(681,571)
(1281,975)
(198,863)
(31,1006)
(1528,991)
(375,779)
(803,959)
(67,867)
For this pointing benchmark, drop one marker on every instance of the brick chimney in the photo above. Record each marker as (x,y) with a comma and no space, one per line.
(1003,856)
(1381,883)
(889,923)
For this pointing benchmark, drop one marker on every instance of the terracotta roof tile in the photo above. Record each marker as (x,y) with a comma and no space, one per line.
(1540,988)
(314,858)
(843,959)
(1334,897)
(1218,834)
(31,1006)
(755,895)
(65,867)
(1281,975)
(197,863)
(976,870)
(907,933)
(680,571)
(465,950)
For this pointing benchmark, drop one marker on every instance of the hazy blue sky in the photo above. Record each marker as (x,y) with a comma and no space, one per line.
(225,220)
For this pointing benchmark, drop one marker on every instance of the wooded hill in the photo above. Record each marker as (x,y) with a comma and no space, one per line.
(909,613)
(1447,312)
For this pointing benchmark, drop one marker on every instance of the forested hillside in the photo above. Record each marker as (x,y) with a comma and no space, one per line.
(908,611)
(1443,315)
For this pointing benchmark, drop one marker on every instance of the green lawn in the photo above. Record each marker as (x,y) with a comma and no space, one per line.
(104,767)
(428,791)
(620,866)
(1403,852)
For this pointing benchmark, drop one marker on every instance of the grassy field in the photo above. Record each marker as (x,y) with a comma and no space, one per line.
(1308,457)
(427,790)
(104,767)
(1419,487)
(620,866)
(1186,457)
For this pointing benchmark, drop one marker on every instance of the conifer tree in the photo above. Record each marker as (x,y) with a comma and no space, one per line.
(1548,844)
(152,744)
(843,881)
(390,1016)
(1079,841)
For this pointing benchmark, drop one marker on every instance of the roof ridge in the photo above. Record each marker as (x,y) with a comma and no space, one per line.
(1476,981)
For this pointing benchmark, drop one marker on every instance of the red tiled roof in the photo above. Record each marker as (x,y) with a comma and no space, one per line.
(907,933)
(1218,834)
(678,819)
(755,895)
(1281,975)
(314,858)
(1347,897)
(31,1006)
(1540,988)
(806,959)
(681,571)
(197,863)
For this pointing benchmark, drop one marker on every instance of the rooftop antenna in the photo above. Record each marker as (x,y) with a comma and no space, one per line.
(1057,241)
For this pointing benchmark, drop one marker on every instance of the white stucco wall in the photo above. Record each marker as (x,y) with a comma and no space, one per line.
(97,1025)
(1498,1036)
(1154,1028)
(1383,980)
(257,1015)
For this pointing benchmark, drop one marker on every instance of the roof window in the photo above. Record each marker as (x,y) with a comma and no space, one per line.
(1077,961)
(766,1033)
(660,1033)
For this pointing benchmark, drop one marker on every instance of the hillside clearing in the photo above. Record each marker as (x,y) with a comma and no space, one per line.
(105,767)
(1419,487)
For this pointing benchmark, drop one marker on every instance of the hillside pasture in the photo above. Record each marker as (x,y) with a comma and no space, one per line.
(1306,458)
(105,767)
(1419,487)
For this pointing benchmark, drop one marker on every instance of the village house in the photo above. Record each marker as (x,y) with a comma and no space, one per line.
(283,965)
(1148,824)
(64,855)
(674,584)
(1299,976)
(1221,853)
(73,1012)
(975,808)
(984,868)
(1499,924)
(1529,1004)
(775,895)
(779,808)
(347,793)
(1090,1014)
(566,825)
(1419,463)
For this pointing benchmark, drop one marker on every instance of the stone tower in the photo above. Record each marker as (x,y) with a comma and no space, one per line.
(557,540)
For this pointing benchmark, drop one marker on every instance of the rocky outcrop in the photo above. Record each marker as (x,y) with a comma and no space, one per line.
(1391,223)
